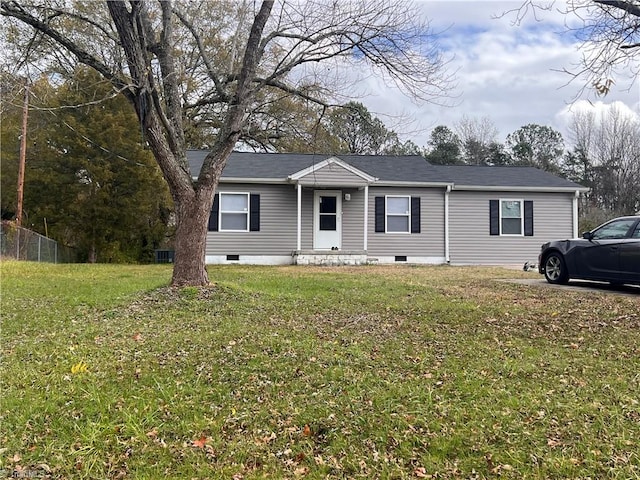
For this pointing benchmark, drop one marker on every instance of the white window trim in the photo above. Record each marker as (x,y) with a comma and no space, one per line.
(521,234)
(220,212)
(387,215)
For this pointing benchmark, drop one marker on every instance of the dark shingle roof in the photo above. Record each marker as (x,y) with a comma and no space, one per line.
(472,175)
(386,168)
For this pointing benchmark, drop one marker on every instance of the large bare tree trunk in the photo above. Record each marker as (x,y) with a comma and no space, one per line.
(190,242)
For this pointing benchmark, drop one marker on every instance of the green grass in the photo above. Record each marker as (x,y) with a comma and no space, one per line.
(301,372)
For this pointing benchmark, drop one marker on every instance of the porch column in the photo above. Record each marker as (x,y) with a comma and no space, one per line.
(576,196)
(299,217)
(447,253)
(366,215)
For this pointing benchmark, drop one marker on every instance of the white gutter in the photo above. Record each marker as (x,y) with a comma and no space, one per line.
(299,188)
(447,257)
(366,215)
(576,234)
(385,183)
(503,188)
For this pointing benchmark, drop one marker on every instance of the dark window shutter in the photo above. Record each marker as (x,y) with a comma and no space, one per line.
(494,217)
(415,214)
(213,216)
(528,218)
(379,214)
(254,212)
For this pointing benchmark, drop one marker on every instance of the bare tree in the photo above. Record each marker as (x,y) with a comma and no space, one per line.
(608,152)
(476,136)
(185,62)
(610,34)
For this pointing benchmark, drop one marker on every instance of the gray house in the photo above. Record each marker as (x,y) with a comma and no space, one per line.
(348,209)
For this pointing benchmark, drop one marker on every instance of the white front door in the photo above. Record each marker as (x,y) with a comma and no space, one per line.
(327,220)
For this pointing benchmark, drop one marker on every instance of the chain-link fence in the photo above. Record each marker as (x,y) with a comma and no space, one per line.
(23,244)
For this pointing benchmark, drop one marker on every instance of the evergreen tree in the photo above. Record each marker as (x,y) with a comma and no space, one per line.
(445,147)
(89,181)
(537,146)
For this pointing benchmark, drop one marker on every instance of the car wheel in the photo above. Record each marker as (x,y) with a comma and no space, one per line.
(555,270)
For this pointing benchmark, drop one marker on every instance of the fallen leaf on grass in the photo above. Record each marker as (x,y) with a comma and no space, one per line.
(553,442)
(138,337)
(301,472)
(306,431)
(421,472)
(80,367)
(506,467)
(200,443)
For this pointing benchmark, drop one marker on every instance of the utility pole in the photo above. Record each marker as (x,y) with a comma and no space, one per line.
(23,154)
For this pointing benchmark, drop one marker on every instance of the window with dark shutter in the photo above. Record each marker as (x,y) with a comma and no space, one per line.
(415,214)
(213,216)
(511,217)
(254,212)
(528,218)
(494,217)
(380,214)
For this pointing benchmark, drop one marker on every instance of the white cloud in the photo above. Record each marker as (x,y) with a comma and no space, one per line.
(600,110)
(511,74)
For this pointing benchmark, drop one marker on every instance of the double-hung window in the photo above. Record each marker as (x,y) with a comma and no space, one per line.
(398,214)
(511,217)
(234,212)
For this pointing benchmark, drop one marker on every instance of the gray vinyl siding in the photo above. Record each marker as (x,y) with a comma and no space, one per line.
(428,243)
(278,222)
(352,219)
(278,227)
(471,243)
(469,239)
(332,174)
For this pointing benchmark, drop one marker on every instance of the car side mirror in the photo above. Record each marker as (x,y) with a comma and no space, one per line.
(587,235)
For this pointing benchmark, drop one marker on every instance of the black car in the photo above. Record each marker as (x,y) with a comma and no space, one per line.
(609,253)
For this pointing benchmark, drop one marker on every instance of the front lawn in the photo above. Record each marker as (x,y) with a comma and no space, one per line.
(303,372)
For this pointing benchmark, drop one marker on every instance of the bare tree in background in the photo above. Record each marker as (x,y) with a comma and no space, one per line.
(476,138)
(189,65)
(606,158)
(610,34)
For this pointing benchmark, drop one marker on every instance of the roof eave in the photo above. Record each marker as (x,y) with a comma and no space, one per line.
(271,181)
(398,183)
(512,188)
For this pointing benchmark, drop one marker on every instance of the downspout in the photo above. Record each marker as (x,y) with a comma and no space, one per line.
(366,216)
(447,256)
(576,196)
(299,246)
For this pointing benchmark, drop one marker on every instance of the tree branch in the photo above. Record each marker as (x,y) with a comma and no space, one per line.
(213,165)
(13,9)
(203,54)
(628,7)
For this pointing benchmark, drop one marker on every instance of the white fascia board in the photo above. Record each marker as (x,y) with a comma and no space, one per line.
(412,184)
(503,188)
(264,181)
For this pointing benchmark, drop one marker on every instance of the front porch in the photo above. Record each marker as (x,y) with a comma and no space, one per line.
(331,257)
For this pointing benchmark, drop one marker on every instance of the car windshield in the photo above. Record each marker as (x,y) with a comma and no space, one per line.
(615,229)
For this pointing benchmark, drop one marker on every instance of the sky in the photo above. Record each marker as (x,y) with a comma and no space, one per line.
(508,73)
